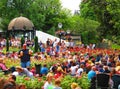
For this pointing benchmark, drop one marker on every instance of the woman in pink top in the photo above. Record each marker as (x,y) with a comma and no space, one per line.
(4,69)
(2,65)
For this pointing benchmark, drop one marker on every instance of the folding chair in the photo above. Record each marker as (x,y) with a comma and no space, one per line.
(93,83)
(102,81)
(116,81)
(37,67)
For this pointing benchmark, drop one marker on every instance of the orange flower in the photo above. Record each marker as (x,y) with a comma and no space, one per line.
(27,78)
(39,79)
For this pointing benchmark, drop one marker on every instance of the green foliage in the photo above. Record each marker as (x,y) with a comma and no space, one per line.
(88,37)
(1,74)
(37,83)
(115,39)
(11,49)
(84,37)
(115,46)
(86,11)
(83,82)
(7,45)
(67,81)
(36,44)
(22,41)
(51,31)
(106,12)
(45,14)
(86,28)
(80,24)
(30,83)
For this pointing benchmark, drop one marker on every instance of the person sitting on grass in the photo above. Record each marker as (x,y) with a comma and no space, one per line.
(2,65)
(8,83)
(59,72)
(44,70)
(22,71)
(9,86)
(48,84)
(2,82)
(4,68)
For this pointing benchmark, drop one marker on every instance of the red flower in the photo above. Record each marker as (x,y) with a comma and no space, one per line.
(27,78)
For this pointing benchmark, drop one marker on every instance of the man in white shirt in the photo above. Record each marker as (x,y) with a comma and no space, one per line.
(22,71)
(80,70)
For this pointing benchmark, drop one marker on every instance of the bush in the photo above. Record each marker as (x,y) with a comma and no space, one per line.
(7,45)
(11,49)
(83,82)
(115,46)
(34,83)
(88,37)
(36,44)
(22,41)
(67,81)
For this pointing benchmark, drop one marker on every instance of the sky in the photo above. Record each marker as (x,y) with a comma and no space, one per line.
(71,4)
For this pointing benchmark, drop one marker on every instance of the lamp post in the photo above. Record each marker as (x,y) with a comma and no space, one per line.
(60,34)
(68,31)
(68,35)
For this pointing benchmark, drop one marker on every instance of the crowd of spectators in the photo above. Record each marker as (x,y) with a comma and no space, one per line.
(77,61)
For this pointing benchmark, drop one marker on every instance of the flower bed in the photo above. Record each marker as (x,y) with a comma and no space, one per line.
(68,80)
(37,83)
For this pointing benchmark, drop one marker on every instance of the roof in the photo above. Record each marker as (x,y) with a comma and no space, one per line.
(20,23)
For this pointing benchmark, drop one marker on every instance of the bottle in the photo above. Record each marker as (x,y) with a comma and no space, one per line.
(21,53)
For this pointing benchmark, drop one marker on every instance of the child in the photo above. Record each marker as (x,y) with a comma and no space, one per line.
(57,84)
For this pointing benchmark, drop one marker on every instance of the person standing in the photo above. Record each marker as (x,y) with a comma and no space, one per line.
(25,55)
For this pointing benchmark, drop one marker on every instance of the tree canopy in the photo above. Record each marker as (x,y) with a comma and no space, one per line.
(107,13)
(45,14)
(101,18)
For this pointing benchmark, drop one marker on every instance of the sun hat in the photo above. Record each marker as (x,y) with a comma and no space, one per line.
(74,85)
(19,67)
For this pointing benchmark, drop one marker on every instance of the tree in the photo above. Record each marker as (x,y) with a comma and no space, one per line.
(22,41)
(45,14)
(86,11)
(7,44)
(107,13)
(84,27)
(36,44)
(11,9)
